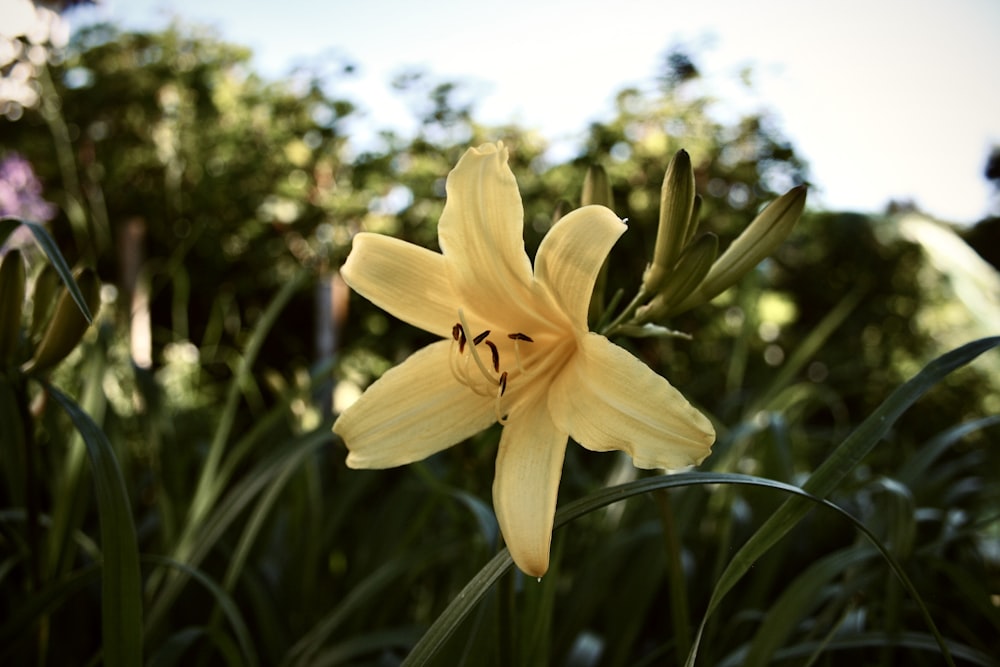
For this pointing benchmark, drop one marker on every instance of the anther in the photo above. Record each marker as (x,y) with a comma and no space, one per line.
(481,337)
(475,353)
(503,383)
(496,356)
(458,333)
(518,338)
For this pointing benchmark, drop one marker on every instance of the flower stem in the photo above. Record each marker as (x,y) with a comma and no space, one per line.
(630,309)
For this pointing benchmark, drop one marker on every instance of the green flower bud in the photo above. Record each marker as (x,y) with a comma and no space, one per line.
(11,304)
(693,224)
(68,323)
(43,299)
(677,206)
(692,267)
(758,240)
(562,208)
(597,188)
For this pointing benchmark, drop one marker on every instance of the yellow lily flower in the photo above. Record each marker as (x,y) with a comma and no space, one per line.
(515,349)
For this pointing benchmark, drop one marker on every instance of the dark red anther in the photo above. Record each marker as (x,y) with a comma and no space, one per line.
(496,356)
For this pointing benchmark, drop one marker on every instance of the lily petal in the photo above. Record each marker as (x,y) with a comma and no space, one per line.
(607,399)
(414,410)
(571,255)
(529,465)
(403,279)
(481,231)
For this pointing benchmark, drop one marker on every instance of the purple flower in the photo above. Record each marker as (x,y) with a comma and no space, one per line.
(21,192)
(21,197)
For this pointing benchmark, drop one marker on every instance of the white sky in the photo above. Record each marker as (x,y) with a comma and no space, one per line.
(884,98)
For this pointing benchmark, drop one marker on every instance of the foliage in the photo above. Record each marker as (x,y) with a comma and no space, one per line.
(257,546)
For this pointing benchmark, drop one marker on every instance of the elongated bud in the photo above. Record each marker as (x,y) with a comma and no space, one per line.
(692,267)
(11,304)
(693,223)
(597,188)
(67,325)
(43,300)
(758,240)
(677,201)
(562,207)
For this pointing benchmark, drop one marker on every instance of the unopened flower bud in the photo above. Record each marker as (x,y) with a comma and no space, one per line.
(692,266)
(68,323)
(11,304)
(562,207)
(758,240)
(597,188)
(677,204)
(43,299)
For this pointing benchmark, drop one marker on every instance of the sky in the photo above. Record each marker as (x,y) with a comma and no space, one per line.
(885,99)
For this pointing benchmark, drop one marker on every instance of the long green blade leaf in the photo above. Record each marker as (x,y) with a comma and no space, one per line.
(449,620)
(222,598)
(121,582)
(51,250)
(843,459)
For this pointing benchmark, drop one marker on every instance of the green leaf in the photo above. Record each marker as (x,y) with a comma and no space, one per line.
(226,511)
(40,603)
(7,227)
(843,459)
(13,440)
(450,619)
(802,595)
(911,640)
(121,582)
(48,245)
(209,486)
(222,598)
(365,592)
(914,468)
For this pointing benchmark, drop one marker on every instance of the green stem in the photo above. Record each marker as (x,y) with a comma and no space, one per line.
(208,487)
(630,309)
(51,112)
(675,573)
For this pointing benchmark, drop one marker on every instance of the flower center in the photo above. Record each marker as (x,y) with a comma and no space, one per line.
(483,362)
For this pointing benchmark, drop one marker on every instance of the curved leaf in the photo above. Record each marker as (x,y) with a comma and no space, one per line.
(469,597)
(51,250)
(121,582)
(843,459)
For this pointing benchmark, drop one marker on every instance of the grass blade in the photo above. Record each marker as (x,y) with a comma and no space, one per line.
(825,479)
(222,598)
(51,250)
(450,619)
(121,581)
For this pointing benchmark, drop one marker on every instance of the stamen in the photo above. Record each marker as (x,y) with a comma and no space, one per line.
(475,353)
(481,337)
(501,388)
(496,356)
(517,338)
(458,333)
